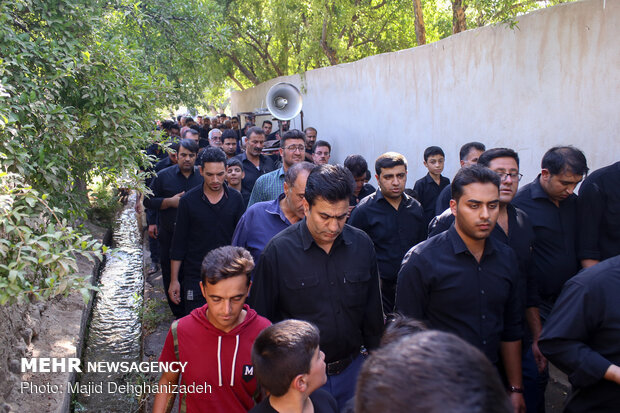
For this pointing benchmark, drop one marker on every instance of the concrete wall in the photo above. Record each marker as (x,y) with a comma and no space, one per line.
(553,80)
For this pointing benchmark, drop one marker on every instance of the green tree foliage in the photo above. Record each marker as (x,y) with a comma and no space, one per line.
(73,104)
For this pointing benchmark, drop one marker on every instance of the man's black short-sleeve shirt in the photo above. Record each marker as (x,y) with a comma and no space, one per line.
(392,231)
(338,292)
(554,256)
(441,283)
(427,191)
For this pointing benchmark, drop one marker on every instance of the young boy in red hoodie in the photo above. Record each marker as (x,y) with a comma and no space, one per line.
(215,341)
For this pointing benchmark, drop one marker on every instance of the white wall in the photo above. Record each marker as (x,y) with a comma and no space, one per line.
(553,80)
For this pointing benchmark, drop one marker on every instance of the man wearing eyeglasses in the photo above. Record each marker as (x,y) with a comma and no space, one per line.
(269,186)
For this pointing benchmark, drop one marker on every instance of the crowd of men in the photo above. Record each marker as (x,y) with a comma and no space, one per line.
(253,227)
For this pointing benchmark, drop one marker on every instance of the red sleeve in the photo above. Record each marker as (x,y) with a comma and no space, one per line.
(167,353)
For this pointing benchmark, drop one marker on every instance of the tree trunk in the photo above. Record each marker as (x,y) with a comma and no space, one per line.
(329,52)
(234,79)
(459,24)
(246,72)
(420,30)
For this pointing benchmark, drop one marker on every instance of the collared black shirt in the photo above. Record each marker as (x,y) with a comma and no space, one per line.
(203,226)
(443,200)
(554,258)
(520,238)
(598,208)
(338,292)
(441,283)
(252,173)
(366,190)
(169,182)
(582,336)
(428,191)
(152,214)
(392,231)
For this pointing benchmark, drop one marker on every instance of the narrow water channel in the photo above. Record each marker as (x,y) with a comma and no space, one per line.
(115,328)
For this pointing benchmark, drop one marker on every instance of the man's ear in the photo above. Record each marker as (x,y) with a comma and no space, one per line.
(286,187)
(545,174)
(453,204)
(203,290)
(299,383)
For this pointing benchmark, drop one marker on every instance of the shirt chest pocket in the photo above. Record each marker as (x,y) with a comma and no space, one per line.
(303,291)
(356,284)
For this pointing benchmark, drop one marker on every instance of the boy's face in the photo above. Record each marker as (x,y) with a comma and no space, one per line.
(225,300)
(234,175)
(316,376)
(434,164)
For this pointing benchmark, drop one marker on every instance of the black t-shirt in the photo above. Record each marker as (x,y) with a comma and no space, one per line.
(323,403)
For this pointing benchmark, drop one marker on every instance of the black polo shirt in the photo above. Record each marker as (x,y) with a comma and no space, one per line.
(201,227)
(392,231)
(252,173)
(441,283)
(169,182)
(338,292)
(428,191)
(554,257)
(366,190)
(582,336)
(520,238)
(598,208)
(443,200)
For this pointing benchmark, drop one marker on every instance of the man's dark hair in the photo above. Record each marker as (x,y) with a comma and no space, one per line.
(356,164)
(267,122)
(222,115)
(310,128)
(256,130)
(442,372)
(487,156)
(561,159)
(188,119)
(211,154)
(472,174)
(321,143)
(389,160)
(228,134)
(190,131)
(432,151)
(235,117)
(333,183)
(465,149)
(167,124)
(283,351)
(398,326)
(292,134)
(367,175)
(226,262)
(189,144)
(234,162)
(293,172)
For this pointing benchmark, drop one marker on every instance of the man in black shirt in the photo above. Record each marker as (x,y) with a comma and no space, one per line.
(463,282)
(598,208)
(392,219)
(206,219)
(254,162)
(168,187)
(515,230)
(468,155)
(324,271)
(427,189)
(582,334)
(551,205)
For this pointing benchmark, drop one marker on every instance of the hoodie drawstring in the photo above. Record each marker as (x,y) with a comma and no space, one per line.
(219,359)
(232,373)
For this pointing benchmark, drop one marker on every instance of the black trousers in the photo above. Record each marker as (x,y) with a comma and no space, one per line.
(388,295)
(165,243)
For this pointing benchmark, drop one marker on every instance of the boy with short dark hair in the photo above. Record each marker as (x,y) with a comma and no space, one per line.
(214,342)
(290,366)
(428,188)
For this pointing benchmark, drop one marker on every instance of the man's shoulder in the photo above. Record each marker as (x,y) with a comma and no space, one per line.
(267,177)
(167,171)
(358,236)
(367,200)
(258,210)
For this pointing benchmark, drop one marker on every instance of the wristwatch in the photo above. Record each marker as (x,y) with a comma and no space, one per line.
(515,389)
